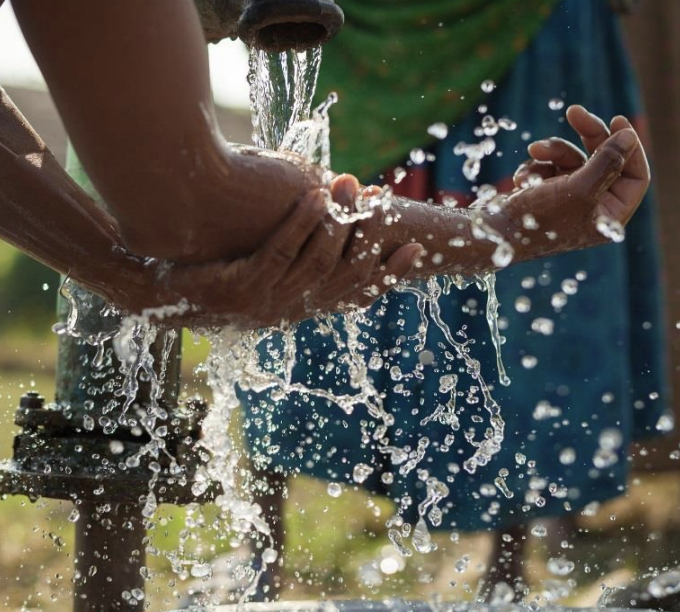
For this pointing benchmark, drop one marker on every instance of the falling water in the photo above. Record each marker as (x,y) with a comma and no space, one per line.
(282,86)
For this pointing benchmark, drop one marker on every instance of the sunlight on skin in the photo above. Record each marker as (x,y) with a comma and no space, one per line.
(228,64)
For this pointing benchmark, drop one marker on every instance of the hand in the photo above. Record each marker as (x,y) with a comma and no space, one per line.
(310,265)
(577,195)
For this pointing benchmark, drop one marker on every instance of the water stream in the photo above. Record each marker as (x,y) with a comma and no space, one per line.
(282,86)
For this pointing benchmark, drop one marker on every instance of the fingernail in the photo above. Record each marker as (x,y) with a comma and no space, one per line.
(543,144)
(620,118)
(626,139)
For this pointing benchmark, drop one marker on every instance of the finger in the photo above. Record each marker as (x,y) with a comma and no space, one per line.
(281,249)
(592,130)
(360,259)
(637,166)
(344,190)
(397,267)
(606,165)
(319,257)
(559,152)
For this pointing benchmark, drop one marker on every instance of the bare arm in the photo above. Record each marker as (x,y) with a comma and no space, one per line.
(578,194)
(130,81)
(44,213)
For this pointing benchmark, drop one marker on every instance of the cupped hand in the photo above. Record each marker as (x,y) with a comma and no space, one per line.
(310,265)
(576,201)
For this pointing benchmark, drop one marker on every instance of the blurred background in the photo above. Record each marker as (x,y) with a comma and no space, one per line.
(339,547)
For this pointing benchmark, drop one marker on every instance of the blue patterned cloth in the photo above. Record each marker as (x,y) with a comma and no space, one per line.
(603,366)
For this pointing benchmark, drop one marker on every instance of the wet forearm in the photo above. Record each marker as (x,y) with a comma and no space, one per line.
(45,214)
(445,233)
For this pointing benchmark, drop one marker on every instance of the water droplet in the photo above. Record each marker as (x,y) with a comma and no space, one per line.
(438,130)
(610,228)
(529,222)
(569,286)
(462,564)
(503,255)
(543,326)
(556,104)
(74,516)
(560,566)
(426,357)
(488,86)
(604,458)
(201,570)
(360,473)
(539,531)
(422,541)
(489,126)
(399,175)
(150,505)
(507,124)
(471,168)
(502,593)
(610,438)
(665,584)
(269,556)
(545,410)
(665,423)
(529,362)
(334,489)
(567,456)
(522,304)
(417,156)
(558,300)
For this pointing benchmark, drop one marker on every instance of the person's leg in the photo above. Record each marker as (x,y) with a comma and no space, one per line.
(506,563)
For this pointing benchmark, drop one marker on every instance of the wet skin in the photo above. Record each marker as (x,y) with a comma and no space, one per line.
(135,99)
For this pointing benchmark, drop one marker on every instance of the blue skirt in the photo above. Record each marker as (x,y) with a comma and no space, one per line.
(578,396)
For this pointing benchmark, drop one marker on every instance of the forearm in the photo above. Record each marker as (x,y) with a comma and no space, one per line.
(130,80)
(475,241)
(45,214)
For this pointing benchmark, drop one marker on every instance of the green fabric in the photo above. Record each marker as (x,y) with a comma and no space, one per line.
(399,66)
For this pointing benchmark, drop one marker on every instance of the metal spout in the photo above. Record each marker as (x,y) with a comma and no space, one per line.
(271,25)
(276,25)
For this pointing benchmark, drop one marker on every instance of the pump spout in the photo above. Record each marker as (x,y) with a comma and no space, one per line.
(275,25)
(271,25)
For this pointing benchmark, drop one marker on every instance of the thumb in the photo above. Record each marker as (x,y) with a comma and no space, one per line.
(607,163)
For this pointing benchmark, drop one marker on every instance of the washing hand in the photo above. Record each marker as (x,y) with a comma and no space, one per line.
(581,201)
(310,265)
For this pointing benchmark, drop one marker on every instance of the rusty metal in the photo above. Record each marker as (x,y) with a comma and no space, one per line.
(271,25)
(109,559)
(54,456)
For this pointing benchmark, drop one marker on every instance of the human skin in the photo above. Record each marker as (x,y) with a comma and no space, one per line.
(44,213)
(135,98)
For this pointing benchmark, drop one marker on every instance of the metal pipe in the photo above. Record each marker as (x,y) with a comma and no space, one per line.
(109,557)
(271,25)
